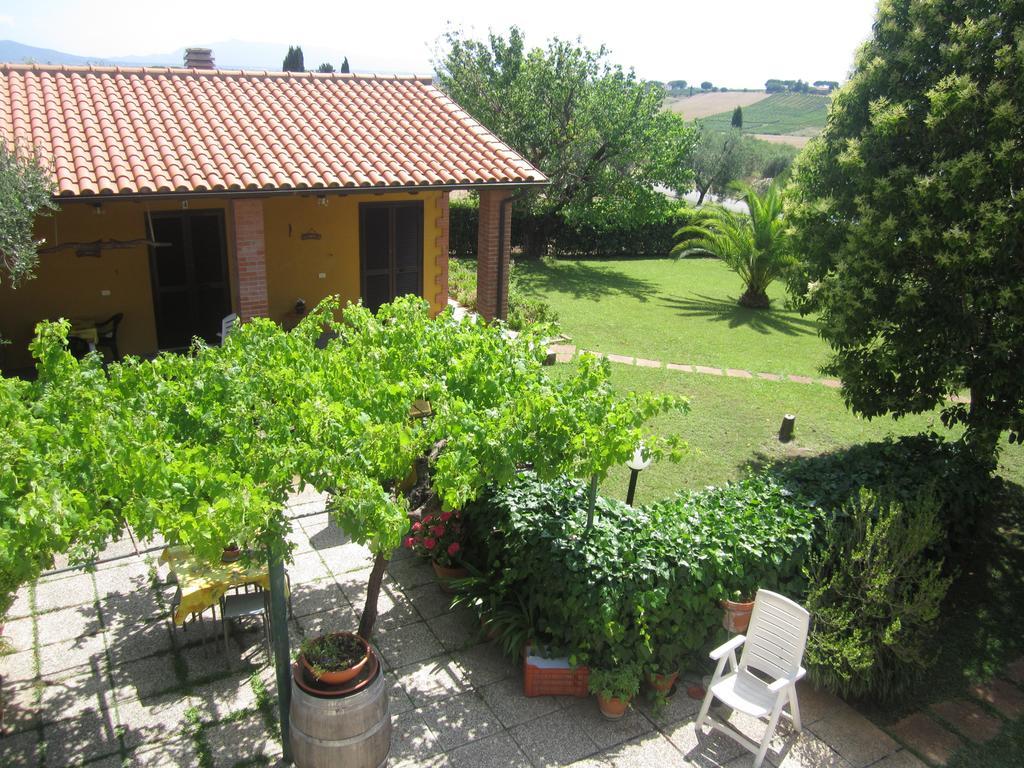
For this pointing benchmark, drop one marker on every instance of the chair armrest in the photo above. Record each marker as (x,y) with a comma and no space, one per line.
(783,683)
(724,648)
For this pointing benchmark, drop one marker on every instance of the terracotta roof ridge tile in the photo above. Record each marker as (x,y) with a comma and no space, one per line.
(192,71)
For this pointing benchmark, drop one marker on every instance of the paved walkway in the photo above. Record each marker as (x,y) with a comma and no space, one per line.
(100,679)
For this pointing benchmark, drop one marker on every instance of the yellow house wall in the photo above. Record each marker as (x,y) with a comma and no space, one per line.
(76,287)
(295,266)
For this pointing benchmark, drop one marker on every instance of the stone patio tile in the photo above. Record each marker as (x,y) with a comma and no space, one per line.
(307,567)
(702,749)
(142,640)
(769,376)
(170,753)
(74,696)
(854,737)
(406,645)
(18,702)
(299,540)
(969,719)
(124,613)
(123,579)
(708,370)
(457,630)
(603,732)
(927,737)
(412,741)
(153,721)
(555,739)
(70,657)
(240,740)
(651,749)
(246,652)
(20,750)
(80,739)
(411,572)
(902,759)
(500,751)
(220,698)
(394,609)
(738,373)
(432,680)
(815,704)
(306,494)
(507,701)
(316,596)
(679,367)
(398,699)
(68,624)
(17,667)
(429,601)
(345,557)
(341,619)
(678,707)
(1001,696)
(831,383)
(644,363)
(484,664)
(802,750)
(800,379)
(623,359)
(64,593)
(460,720)
(19,634)
(145,678)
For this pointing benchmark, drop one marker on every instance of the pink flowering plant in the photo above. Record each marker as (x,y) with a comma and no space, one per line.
(438,536)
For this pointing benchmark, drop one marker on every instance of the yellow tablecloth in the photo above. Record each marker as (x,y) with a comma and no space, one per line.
(86,332)
(203,584)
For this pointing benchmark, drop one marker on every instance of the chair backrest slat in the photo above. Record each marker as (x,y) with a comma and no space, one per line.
(777,635)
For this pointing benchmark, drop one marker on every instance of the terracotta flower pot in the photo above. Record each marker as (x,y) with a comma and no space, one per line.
(445,574)
(737,615)
(612,708)
(342,676)
(230,554)
(662,683)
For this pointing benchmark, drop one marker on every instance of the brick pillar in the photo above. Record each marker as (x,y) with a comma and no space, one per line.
(487,254)
(441,252)
(251,258)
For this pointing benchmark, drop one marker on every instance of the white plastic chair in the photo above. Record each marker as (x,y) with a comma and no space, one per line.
(226,324)
(765,679)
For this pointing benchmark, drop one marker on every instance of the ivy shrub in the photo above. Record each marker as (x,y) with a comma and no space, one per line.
(875,595)
(640,587)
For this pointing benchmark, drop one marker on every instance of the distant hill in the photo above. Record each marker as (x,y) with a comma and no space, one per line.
(781,114)
(708,104)
(18,53)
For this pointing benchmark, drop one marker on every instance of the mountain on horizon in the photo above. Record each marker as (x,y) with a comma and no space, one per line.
(228,54)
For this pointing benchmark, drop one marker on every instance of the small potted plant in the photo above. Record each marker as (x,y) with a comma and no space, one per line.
(439,537)
(335,658)
(737,608)
(614,689)
(231,553)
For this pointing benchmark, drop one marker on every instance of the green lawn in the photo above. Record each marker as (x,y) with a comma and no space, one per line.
(680,311)
(799,114)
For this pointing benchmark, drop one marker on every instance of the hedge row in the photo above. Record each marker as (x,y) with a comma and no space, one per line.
(652,238)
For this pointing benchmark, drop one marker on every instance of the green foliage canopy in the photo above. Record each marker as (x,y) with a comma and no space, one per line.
(909,217)
(598,133)
(26,192)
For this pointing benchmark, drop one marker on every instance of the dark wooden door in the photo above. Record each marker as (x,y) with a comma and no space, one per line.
(191,292)
(390,251)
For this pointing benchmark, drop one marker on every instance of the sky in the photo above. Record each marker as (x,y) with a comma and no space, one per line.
(735,43)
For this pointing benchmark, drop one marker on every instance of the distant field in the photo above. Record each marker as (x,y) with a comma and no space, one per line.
(794,141)
(796,114)
(708,104)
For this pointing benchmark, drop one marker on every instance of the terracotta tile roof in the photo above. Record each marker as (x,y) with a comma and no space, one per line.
(112,130)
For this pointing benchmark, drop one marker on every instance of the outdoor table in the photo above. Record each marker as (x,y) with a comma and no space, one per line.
(86,331)
(203,583)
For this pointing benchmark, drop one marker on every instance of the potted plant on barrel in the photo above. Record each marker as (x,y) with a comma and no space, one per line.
(335,658)
(438,536)
(615,688)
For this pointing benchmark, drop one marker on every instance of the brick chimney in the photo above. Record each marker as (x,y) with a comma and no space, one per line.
(199,58)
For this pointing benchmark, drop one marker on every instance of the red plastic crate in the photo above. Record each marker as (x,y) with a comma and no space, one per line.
(553,677)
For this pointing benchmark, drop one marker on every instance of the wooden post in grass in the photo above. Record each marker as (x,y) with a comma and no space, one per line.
(282,653)
(786,430)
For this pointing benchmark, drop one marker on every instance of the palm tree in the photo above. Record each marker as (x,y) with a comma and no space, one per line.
(754,245)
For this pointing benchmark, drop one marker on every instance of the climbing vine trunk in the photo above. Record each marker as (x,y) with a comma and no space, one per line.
(369,617)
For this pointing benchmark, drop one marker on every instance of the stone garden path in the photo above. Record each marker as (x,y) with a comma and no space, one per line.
(100,679)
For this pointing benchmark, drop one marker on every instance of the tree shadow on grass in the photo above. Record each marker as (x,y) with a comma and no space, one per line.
(765,321)
(581,280)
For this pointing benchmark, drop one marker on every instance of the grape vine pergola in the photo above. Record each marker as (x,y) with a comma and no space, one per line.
(205,447)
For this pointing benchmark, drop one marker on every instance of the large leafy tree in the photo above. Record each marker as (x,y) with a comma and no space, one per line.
(26,191)
(910,217)
(598,133)
(718,159)
(754,245)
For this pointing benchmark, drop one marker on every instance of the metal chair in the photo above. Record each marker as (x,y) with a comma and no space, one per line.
(765,679)
(106,333)
(227,324)
(244,605)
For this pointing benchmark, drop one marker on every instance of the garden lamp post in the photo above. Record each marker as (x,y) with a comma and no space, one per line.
(636,465)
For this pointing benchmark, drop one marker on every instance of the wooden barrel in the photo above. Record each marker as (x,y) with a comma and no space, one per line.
(352,731)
